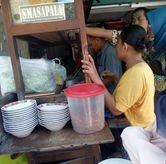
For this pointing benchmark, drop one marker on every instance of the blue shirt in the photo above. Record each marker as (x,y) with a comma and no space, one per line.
(157,20)
(108,60)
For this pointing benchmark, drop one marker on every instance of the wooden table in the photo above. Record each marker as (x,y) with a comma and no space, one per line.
(43,145)
(65,140)
(42,139)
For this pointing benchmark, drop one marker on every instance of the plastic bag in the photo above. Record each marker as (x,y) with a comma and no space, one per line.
(7,83)
(37,75)
(59,72)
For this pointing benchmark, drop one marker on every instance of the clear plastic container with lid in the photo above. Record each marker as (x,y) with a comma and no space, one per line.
(86,106)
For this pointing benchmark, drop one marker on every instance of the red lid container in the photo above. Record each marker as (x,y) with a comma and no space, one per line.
(84,90)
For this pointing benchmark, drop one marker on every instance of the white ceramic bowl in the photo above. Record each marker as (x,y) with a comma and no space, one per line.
(55,127)
(19,112)
(17,119)
(17,105)
(21,121)
(115,161)
(53,121)
(53,115)
(23,133)
(52,107)
(21,126)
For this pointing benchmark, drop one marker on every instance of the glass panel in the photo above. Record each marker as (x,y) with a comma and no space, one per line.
(37,11)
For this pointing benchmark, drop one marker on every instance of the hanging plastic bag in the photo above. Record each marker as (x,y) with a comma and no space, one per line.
(59,72)
(37,75)
(7,83)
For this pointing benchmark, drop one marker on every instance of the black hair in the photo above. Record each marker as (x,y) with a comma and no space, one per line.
(135,36)
(141,8)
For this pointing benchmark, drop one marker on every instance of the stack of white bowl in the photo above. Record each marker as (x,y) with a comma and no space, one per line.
(20,117)
(53,116)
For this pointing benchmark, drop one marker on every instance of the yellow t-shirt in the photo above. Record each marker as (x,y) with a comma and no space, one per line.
(134,95)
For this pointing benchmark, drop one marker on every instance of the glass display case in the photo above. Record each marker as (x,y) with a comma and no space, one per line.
(24,18)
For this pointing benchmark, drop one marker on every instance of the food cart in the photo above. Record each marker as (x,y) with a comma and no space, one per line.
(21,21)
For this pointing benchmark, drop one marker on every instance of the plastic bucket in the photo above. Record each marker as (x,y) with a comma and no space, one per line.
(86,106)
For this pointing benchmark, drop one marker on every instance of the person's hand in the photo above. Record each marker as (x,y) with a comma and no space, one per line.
(108,77)
(89,68)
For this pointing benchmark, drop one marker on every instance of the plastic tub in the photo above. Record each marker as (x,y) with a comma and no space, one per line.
(86,106)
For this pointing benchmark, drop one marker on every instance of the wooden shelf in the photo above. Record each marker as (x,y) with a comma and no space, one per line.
(34,28)
(47,97)
(13,31)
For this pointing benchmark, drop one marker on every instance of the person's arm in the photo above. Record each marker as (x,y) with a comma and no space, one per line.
(90,69)
(112,65)
(110,104)
(99,32)
(108,77)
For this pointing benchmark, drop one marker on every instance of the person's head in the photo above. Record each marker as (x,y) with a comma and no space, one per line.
(139,17)
(95,43)
(132,39)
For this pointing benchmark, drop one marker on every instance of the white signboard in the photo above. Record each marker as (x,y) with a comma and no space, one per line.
(42,12)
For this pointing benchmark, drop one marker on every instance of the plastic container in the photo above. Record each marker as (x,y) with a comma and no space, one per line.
(86,106)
